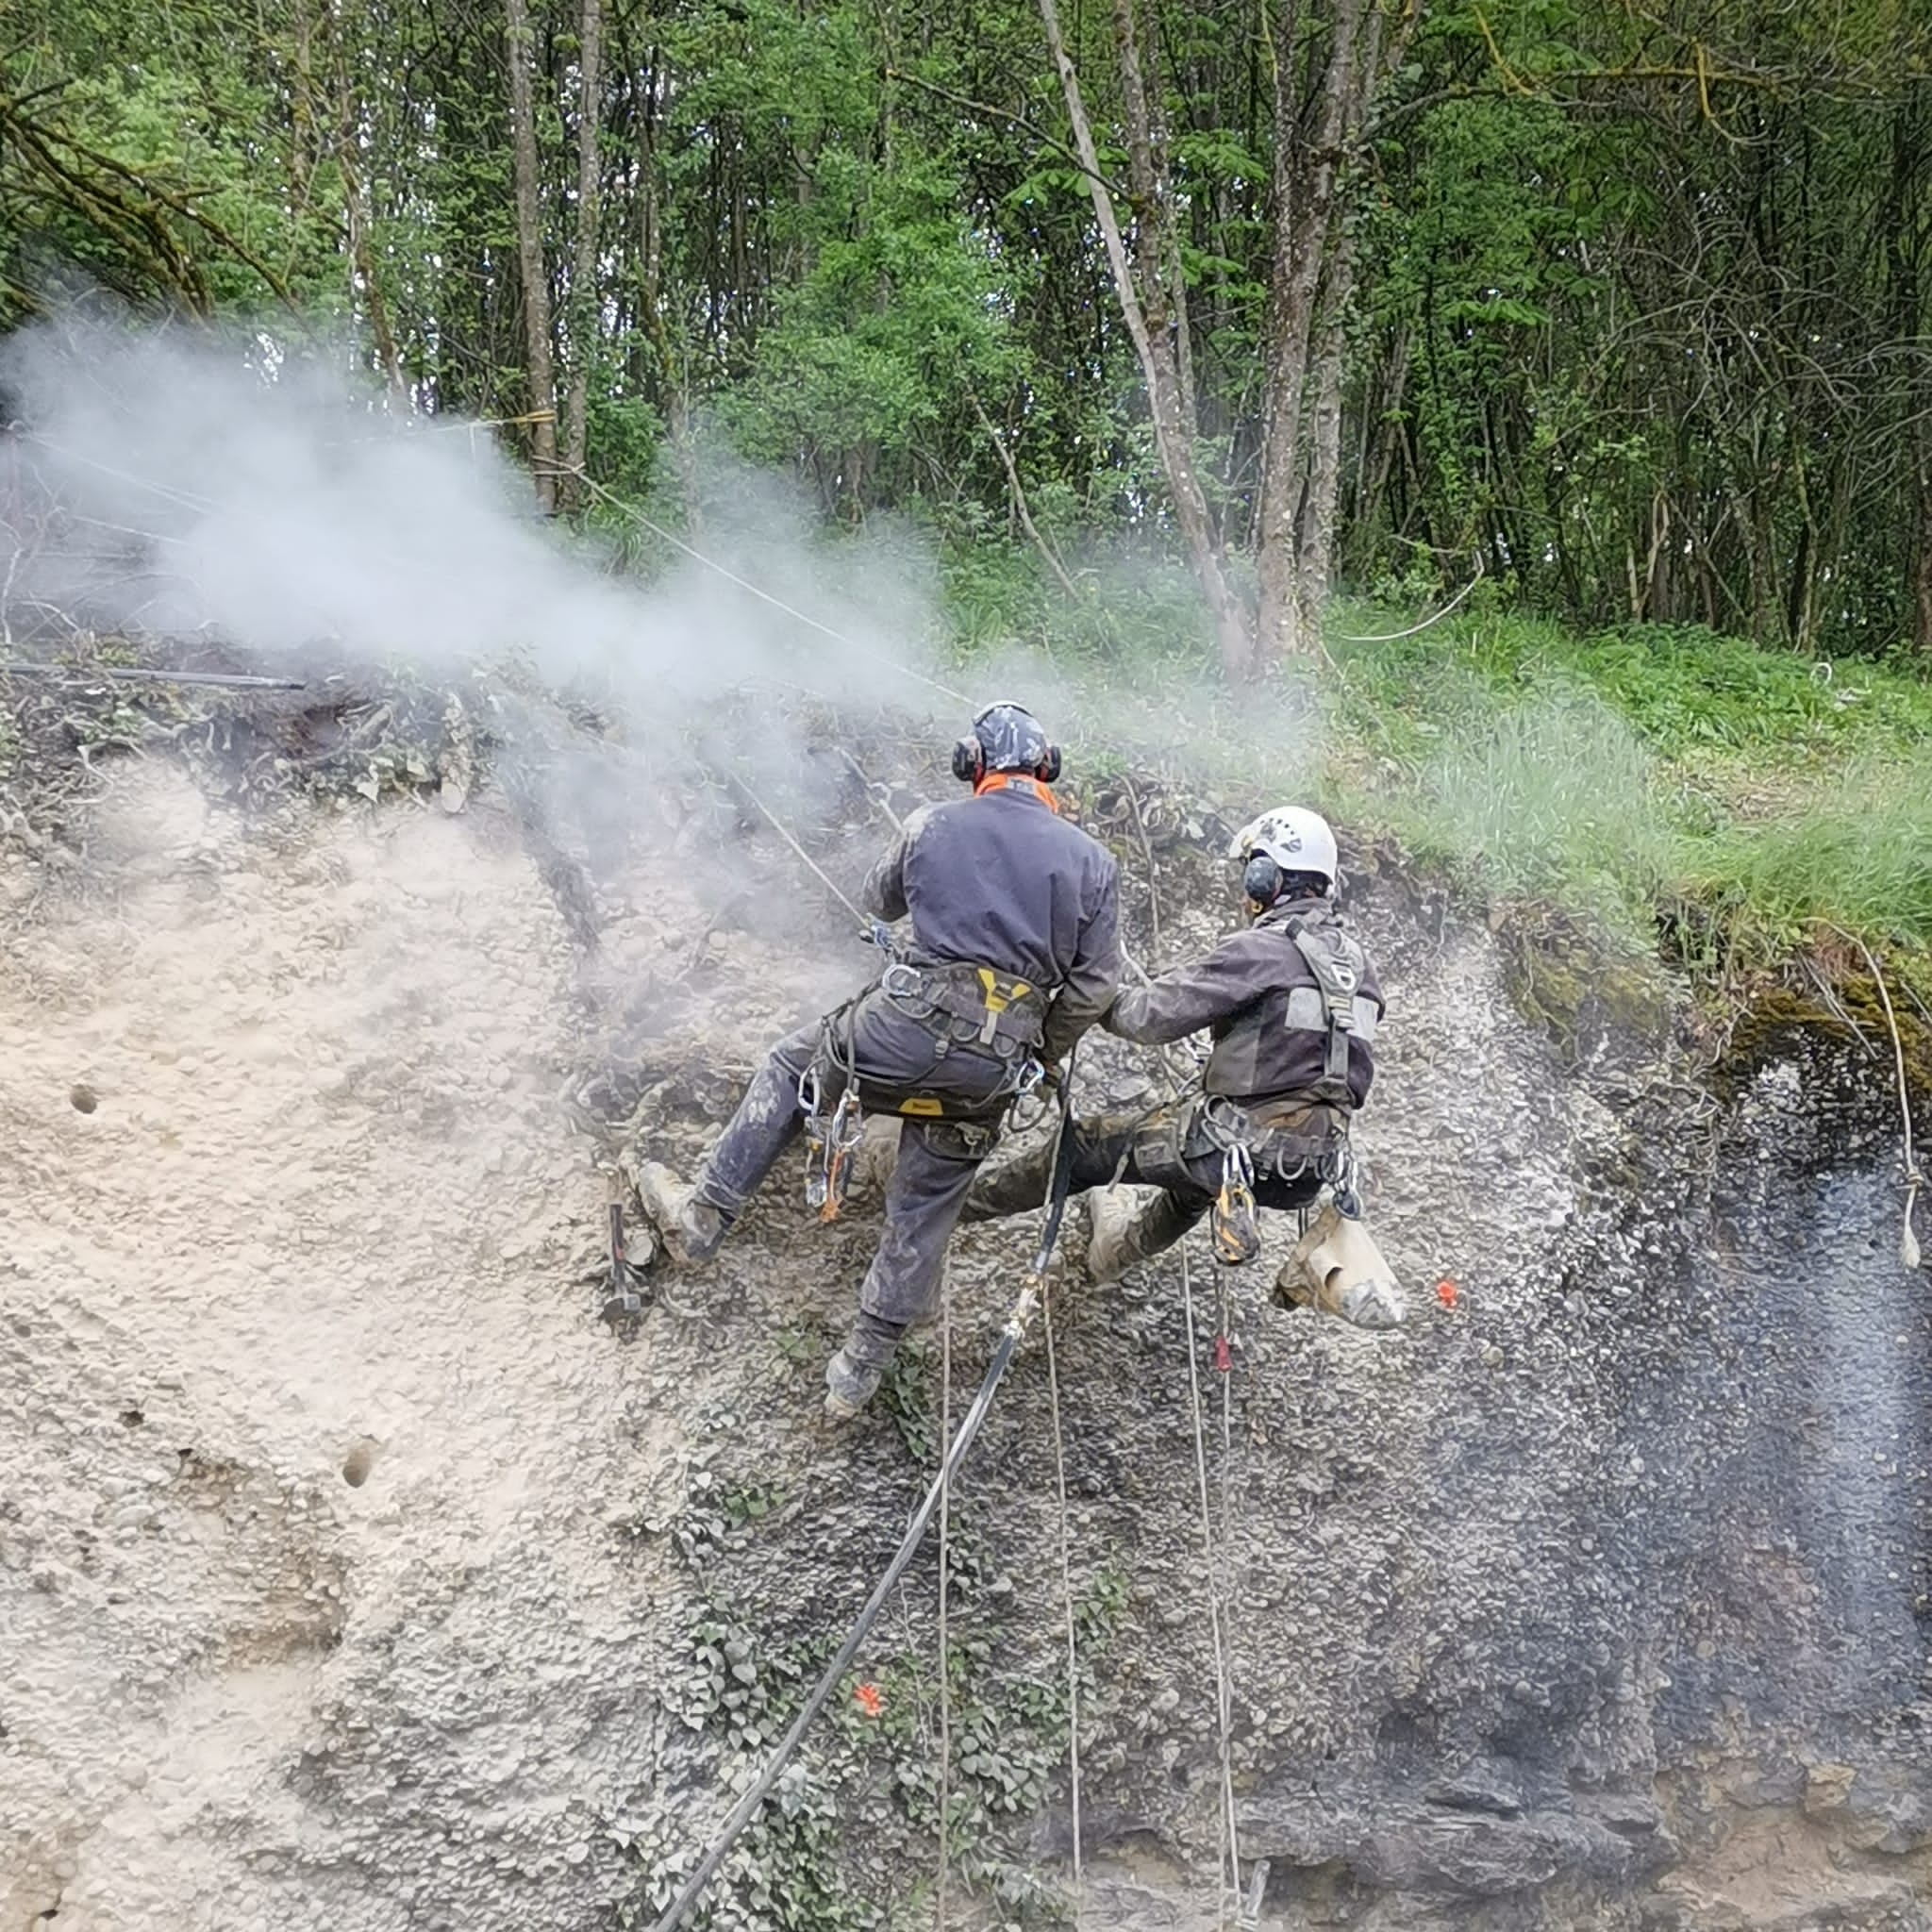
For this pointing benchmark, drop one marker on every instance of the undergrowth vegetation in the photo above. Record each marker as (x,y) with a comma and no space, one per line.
(1662,781)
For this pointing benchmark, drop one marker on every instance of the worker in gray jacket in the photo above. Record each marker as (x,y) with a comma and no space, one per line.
(1292,1002)
(1012,955)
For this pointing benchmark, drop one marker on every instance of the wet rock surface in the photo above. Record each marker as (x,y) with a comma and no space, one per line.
(1598,1595)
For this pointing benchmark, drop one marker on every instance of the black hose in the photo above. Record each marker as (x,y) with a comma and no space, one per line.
(746,1808)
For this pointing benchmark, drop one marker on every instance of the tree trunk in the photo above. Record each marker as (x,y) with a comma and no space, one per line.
(519,40)
(357,213)
(586,318)
(1317,535)
(1304,173)
(1173,430)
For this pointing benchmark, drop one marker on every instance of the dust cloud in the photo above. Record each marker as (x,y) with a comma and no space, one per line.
(176,483)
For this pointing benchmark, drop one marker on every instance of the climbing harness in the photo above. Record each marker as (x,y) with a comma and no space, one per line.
(1019,1319)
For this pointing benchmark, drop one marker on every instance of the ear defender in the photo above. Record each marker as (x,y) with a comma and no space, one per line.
(1049,766)
(969,760)
(1261,881)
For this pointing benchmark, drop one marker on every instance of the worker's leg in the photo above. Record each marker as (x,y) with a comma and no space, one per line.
(693,1220)
(1017,1186)
(936,1163)
(1127,1229)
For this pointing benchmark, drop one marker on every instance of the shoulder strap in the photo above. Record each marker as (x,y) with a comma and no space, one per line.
(1337,961)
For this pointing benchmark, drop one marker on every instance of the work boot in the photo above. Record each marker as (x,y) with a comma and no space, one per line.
(690,1228)
(853,1375)
(1127,1225)
(1338,1268)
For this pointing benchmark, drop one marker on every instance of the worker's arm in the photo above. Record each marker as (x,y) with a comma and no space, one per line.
(884,890)
(1095,976)
(1189,998)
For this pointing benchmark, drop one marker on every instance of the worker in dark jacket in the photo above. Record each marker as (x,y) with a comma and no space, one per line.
(1012,955)
(1293,1004)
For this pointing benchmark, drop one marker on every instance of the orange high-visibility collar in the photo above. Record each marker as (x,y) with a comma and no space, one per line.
(1017,781)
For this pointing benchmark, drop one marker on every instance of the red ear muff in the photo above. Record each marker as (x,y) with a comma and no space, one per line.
(969,760)
(1050,765)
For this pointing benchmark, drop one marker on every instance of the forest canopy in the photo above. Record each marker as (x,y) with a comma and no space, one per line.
(1625,307)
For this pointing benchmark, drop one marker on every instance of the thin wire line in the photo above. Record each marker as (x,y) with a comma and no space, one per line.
(1231,1868)
(1059,1475)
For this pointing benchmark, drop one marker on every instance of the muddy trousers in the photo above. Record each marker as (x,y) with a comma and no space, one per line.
(936,1163)
(1147,1152)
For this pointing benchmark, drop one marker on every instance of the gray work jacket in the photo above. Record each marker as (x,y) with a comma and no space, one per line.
(1002,881)
(1259,998)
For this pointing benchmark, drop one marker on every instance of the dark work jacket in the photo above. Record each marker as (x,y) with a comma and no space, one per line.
(1002,881)
(1241,991)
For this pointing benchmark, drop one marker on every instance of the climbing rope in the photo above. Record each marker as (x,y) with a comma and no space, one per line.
(946,1780)
(777,824)
(1908,1241)
(678,542)
(1230,1876)
(1025,1306)
(1059,1477)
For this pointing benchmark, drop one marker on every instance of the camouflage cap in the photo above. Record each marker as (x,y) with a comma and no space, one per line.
(1011,738)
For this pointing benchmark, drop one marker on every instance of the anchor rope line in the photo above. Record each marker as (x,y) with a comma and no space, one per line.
(711,563)
(1230,1875)
(1059,1475)
(1223,1582)
(945,1777)
(777,824)
(1908,1241)
(1025,1306)
(189,501)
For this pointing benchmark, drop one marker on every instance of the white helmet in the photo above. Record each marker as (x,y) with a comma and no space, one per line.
(1295,839)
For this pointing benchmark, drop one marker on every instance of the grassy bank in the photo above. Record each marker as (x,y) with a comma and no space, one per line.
(1694,795)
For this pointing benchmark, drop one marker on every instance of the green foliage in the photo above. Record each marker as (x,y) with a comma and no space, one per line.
(1634,771)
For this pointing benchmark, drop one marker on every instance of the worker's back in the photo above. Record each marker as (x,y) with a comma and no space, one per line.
(1002,881)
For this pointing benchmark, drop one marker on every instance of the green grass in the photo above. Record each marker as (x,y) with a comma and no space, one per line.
(1630,776)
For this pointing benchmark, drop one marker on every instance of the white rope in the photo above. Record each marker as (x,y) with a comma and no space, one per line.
(678,542)
(1059,1477)
(946,1780)
(777,825)
(1393,636)
(1907,1240)
(1230,1876)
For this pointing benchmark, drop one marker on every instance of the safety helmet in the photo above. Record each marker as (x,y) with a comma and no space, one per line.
(1288,839)
(1006,737)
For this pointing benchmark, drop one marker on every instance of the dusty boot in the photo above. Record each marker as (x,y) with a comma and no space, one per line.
(1127,1224)
(690,1228)
(852,1377)
(1338,1268)
(1110,1214)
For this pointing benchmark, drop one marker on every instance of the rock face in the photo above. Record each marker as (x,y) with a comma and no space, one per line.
(353,1577)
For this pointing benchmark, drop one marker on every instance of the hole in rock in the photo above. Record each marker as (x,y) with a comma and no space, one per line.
(359,1462)
(83,1098)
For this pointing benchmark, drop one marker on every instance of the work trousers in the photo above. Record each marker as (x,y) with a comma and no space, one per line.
(1169,1150)
(938,1159)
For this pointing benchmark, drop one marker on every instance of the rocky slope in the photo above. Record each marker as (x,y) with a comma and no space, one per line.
(352,1575)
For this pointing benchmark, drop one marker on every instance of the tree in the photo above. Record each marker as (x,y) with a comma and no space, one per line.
(519,42)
